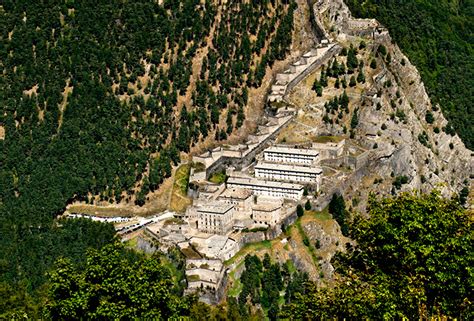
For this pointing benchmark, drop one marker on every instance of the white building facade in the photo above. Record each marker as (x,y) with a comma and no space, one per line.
(242,199)
(291,155)
(292,173)
(267,214)
(215,218)
(267,188)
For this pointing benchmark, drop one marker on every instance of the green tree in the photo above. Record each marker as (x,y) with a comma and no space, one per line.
(373,63)
(307,205)
(344,83)
(352,61)
(413,260)
(361,76)
(352,82)
(113,286)
(344,101)
(323,79)
(429,117)
(337,208)
(299,210)
(355,119)
(318,88)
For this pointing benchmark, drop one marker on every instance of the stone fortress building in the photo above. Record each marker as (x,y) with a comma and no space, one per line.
(215,218)
(260,194)
(282,154)
(246,201)
(267,188)
(291,173)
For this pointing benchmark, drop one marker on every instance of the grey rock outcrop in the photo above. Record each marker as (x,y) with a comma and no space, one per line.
(407,145)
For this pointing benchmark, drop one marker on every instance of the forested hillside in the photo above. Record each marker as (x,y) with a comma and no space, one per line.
(437,37)
(98,98)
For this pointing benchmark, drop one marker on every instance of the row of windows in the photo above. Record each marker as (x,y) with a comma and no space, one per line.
(278,192)
(286,171)
(260,222)
(290,156)
(284,175)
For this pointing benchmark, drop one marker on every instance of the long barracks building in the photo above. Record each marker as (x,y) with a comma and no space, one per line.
(291,155)
(267,187)
(290,173)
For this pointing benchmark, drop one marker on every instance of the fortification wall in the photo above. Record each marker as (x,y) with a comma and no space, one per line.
(209,296)
(242,160)
(334,50)
(353,161)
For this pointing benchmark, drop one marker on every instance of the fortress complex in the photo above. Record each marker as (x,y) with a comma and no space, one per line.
(241,199)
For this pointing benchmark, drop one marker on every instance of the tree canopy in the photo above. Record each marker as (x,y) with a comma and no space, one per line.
(413,259)
(115,286)
(97,102)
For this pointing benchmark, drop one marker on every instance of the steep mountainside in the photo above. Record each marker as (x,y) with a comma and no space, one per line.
(373,97)
(92,94)
(399,139)
(99,99)
(437,37)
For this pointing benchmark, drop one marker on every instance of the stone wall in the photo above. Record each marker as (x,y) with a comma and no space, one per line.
(210,296)
(352,161)
(244,159)
(334,50)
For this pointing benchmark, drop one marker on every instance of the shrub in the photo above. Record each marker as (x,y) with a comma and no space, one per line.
(299,210)
(429,117)
(373,64)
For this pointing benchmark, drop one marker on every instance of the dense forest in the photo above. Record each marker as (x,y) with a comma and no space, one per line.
(437,37)
(98,99)
(120,284)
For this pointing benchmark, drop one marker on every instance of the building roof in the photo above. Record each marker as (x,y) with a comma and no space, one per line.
(289,168)
(236,193)
(215,207)
(209,188)
(213,246)
(267,207)
(292,151)
(263,183)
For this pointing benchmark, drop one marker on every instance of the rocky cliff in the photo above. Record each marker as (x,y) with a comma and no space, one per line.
(400,141)
(405,134)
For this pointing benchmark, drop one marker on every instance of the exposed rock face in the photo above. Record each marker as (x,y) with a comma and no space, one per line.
(329,240)
(406,145)
(394,134)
